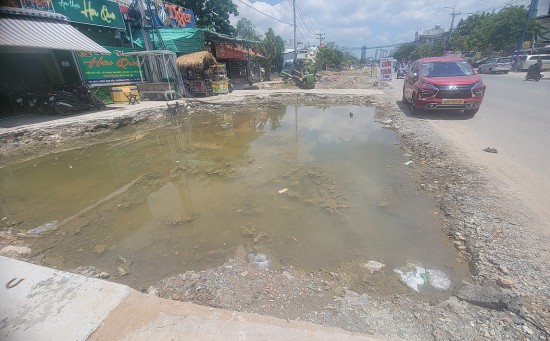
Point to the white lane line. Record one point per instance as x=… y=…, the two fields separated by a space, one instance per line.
x=534 y=92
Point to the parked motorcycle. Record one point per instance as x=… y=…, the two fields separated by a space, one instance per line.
x=533 y=73
x=26 y=101
x=33 y=102
x=71 y=99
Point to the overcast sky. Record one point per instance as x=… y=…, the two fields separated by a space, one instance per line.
x=354 y=23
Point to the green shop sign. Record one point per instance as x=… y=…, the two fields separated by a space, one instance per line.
x=101 y=69
x=96 y=12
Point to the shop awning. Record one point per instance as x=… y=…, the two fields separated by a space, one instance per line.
x=36 y=29
x=179 y=40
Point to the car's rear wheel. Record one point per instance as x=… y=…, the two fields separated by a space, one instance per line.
x=471 y=112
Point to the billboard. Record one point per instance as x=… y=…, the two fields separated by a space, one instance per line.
x=165 y=14
x=97 y=12
x=101 y=69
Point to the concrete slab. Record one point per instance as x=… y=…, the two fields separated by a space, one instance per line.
x=145 y=317
x=52 y=305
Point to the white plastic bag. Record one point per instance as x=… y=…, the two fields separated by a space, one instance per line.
x=412 y=275
x=438 y=279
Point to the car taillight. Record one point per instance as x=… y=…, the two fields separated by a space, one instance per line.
x=478 y=90
x=427 y=90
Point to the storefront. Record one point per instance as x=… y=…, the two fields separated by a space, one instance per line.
x=37 y=53
x=240 y=69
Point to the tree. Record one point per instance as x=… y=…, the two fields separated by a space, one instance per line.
x=329 y=57
x=212 y=14
x=404 y=51
x=273 y=48
x=488 y=32
x=246 y=30
x=350 y=58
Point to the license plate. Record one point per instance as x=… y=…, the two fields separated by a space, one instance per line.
x=51 y=98
x=453 y=101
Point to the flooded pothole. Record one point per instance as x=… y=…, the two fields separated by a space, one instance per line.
x=310 y=187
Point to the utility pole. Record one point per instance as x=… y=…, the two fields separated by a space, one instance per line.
x=453 y=14
x=320 y=36
x=295 y=52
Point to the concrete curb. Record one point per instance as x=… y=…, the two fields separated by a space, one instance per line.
x=54 y=305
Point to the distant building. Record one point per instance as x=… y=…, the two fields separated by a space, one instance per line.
x=430 y=36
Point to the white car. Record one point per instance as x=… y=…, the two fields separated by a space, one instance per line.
x=496 y=65
x=532 y=59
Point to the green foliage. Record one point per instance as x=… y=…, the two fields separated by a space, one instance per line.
x=404 y=51
x=308 y=82
x=330 y=57
x=104 y=94
x=273 y=48
x=246 y=30
x=489 y=32
x=212 y=14
x=350 y=58
x=412 y=52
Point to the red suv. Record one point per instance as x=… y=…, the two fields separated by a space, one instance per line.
x=443 y=83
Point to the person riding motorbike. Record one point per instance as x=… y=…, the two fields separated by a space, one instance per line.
x=402 y=70
x=534 y=71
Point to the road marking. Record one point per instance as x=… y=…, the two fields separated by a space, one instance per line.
x=534 y=92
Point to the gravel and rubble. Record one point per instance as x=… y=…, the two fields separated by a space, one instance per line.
x=507 y=296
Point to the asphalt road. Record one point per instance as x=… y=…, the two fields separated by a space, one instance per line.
x=514 y=119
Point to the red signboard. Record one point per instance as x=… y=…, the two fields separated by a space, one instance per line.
x=226 y=51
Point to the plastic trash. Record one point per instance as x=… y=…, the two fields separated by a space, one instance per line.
x=407 y=163
x=259 y=260
x=50 y=225
x=438 y=279
x=490 y=150
x=283 y=190
x=412 y=275
x=374 y=266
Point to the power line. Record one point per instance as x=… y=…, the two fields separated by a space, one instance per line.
x=308 y=17
x=376 y=47
x=267 y=15
x=303 y=21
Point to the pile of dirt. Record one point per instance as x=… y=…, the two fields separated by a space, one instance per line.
x=349 y=79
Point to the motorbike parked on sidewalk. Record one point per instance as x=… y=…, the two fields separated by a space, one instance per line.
x=35 y=102
x=533 y=73
x=71 y=99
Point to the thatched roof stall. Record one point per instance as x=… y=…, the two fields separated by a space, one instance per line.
x=196 y=60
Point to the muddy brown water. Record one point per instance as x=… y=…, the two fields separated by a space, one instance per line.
x=310 y=187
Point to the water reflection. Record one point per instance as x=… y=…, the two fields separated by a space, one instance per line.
x=310 y=187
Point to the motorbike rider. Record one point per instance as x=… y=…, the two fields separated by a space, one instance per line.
x=538 y=65
x=402 y=69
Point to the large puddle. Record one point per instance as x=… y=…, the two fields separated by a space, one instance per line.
x=309 y=187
